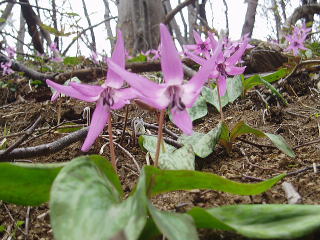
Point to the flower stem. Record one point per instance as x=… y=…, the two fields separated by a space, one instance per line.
x=112 y=152
x=124 y=125
x=220 y=105
x=160 y=136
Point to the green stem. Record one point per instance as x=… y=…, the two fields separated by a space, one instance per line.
x=160 y=136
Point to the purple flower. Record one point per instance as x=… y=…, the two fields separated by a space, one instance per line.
x=6 y=68
x=109 y=96
x=153 y=54
x=201 y=47
x=53 y=47
x=225 y=65
x=173 y=93
x=94 y=57
x=11 y=52
x=296 y=39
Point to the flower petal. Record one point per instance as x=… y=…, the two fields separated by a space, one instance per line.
x=70 y=91
x=123 y=97
x=118 y=56
x=86 y=89
x=99 y=120
x=171 y=64
x=231 y=70
x=182 y=120
x=222 y=85
x=141 y=84
x=238 y=54
x=197 y=37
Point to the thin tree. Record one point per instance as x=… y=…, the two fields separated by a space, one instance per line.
x=250 y=17
x=93 y=46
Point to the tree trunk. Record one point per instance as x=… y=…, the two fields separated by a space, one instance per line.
x=139 y=21
x=250 y=18
x=21 y=34
x=277 y=18
x=192 y=19
x=5 y=14
x=107 y=15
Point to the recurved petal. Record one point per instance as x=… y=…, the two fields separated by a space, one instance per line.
x=231 y=70
x=99 y=120
x=70 y=91
x=170 y=60
x=182 y=120
x=222 y=85
x=86 y=89
x=143 y=85
x=123 y=97
x=197 y=37
x=238 y=54
x=118 y=57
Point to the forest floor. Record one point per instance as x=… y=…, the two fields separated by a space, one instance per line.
x=298 y=123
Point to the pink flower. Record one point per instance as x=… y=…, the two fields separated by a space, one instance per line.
x=173 y=93
x=109 y=96
x=11 y=52
x=6 y=68
x=296 y=39
x=201 y=47
x=225 y=65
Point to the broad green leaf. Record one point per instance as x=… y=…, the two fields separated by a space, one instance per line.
x=199 y=109
x=174 y=226
x=234 y=88
x=281 y=144
x=68 y=128
x=211 y=96
x=72 y=60
x=149 y=143
x=242 y=128
x=160 y=181
x=225 y=137
x=203 y=144
x=85 y=204
x=2 y=20
x=265 y=221
x=170 y=157
x=27 y=184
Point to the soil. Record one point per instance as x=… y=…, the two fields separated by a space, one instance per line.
x=298 y=123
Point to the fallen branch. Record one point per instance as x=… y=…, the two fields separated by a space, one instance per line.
x=45 y=149
x=27 y=133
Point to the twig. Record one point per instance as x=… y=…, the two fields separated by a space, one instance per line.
x=12 y=219
x=26 y=224
x=250 y=163
x=165 y=130
x=124 y=124
x=129 y=155
x=47 y=148
x=171 y=14
x=306 y=144
x=28 y=132
x=259 y=146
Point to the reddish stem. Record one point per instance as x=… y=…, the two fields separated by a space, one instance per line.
x=112 y=152
x=160 y=136
x=220 y=105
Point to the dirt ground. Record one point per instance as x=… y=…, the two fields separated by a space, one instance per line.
x=298 y=123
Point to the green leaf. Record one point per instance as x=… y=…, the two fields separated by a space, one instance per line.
x=139 y=58
x=234 y=90
x=174 y=226
x=85 y=203
x=73 y=14
x=72 y=60
x=54 y=31
x=203 y=144
x=160 y=181
x=266 y=221
x=68 y=128
x=274 y=90
x=281 y=144
x=255 y=80
x=199 y=109
x=2 y=228
x=2 y=20
x=27 y=184
x=170 y=157
x=242 y=128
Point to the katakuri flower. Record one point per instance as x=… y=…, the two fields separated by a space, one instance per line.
x=173 y=93
x=296 y=39
x=109 y=96
x=201 y=47
x=225 y=65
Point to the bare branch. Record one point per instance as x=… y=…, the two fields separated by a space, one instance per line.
x=171 y=14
